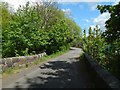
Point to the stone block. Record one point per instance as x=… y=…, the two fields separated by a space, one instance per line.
x=39 y=55
x=3 y=61
x=15 y=65
x=15 y=59
x=35 y=57
x=22 y=60
x=4 y=67
x=9 y=62
x=30 y=59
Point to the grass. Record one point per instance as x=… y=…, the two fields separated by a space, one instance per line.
x=14 y=70
x=48 y=57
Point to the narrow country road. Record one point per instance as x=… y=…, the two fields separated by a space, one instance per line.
x=65 y=71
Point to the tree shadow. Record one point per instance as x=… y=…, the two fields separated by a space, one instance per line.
x=56 y=74
x=60 y=77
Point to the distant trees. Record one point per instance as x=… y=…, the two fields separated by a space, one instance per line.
x=94 y=44
x=76 y=32
x=36 y=28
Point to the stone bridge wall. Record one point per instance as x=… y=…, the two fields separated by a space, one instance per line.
x=101 y=77
x=19 y=61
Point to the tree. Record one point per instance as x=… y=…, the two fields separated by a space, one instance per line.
x=112 y=36
x=112 y=32
x=6 y=17
x=93 y=44
x=37 y=28
x=75 y=31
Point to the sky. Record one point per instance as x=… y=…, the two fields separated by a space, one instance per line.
x=83 y=12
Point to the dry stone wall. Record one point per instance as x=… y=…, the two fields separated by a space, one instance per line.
x=19 y=61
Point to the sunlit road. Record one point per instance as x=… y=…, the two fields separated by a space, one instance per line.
x=65 y=71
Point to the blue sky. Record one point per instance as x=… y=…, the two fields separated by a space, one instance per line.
x=85 y=14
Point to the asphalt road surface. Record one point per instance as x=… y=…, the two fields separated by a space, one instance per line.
x=65 y=71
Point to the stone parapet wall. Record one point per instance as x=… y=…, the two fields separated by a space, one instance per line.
x=102 y=78
x=19 y=61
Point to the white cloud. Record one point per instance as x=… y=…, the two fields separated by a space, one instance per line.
x=87 y=34
x=101 y=19
x=86 y=20
x=74 y=18
x=93 y=7
x=67 y=11
x=84 y=0
x=93 y=26
x=116 y=2
x=15 y=3
x=68 y=3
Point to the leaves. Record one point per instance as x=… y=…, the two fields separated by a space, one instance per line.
x=112 y=24
x=37 y=28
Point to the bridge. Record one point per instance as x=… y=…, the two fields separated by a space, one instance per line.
x=65 y=71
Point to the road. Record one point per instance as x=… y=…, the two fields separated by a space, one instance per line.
x=65 y=71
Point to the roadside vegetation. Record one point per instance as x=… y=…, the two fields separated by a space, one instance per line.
x=36 y=28
x=104 y=46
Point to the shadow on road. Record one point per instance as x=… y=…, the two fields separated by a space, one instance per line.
x=59 y=74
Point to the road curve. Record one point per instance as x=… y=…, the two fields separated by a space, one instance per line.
x=65 y=71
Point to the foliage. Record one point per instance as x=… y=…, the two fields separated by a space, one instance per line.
x=76 y=32
x=0 y=32
x=93 y=44
x=104 y=47
x=112 y=24
x=112 y=36
x=36 y=28
x=105 y=54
